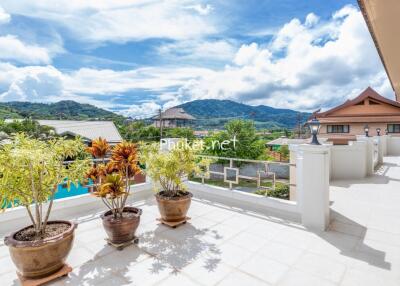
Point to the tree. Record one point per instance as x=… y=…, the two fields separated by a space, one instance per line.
x=240 y=138
x=284 y=151
x=29 y=127
x=180 y=133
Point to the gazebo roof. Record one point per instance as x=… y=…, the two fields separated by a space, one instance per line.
x=175 y=113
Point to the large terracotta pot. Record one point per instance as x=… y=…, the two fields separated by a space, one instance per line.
x=121 y=230
x=173 y=209
x=36 y=259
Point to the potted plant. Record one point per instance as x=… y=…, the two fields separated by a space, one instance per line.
x=30 y=172
x=99 y=149
x=112 y=182
x=167 y=171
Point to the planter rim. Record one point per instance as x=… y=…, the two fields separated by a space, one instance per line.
x=165 y=198
x=12 y=242
x=138 y=212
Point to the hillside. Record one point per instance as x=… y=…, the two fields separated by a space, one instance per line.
x=7 y=112
x=212 y=112
x=66 y=109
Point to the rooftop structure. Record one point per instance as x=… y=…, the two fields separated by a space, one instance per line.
x=173 y=117
x=88 y=130
x=382 y=17
x=349 y=119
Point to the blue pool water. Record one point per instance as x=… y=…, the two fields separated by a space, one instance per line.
x=63 y=192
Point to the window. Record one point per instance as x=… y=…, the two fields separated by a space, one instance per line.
x=338 y=128
x=393 y=128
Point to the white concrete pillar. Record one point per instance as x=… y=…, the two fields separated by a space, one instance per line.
x=380 y=142
x=384 y=140
x=370 y=153
x=312 y=177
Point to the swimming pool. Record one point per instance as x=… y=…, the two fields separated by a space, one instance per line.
x=62 y=191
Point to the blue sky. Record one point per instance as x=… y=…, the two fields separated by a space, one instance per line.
x=135 y=56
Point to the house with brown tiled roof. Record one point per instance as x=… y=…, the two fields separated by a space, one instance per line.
x=173 y=117
x=342 y=123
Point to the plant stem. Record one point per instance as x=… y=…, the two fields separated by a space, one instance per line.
x=49 y=209
x=28 y=208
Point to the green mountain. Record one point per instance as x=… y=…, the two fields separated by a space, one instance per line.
x=66 y=109
x=212 y=113
x=7 y=112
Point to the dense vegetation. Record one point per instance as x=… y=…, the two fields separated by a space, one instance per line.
x=243 y=141
x=66 y=109
x=212 y=113
x=29 y=127
x=138 y=131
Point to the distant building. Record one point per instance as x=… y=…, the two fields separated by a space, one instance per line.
x=173 y=117
x=342 y=123
x=88 y=130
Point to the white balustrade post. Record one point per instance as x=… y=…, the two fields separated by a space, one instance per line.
x=312 y=178
x=384 y=140
x=369 y=154
x=379 y=139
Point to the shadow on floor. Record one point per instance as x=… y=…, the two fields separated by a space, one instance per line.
x=363 y=252
x=165 y=254
x=183 y=247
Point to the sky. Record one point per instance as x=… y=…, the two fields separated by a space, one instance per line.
x=136 y=56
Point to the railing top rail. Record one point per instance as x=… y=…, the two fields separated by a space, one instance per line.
x=245 y=160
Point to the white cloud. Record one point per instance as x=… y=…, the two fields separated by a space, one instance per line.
x=121 y=20
x=311 y=20
x=219 y=50
x=33 y=83
x=106 y=81
x=201 y=9
x=305 y=66
x=143 y=110
x=12 y=48
x=4 y=16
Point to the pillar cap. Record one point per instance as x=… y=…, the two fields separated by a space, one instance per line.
x=315 y=149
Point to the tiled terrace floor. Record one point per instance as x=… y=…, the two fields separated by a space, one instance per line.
x=226 y=246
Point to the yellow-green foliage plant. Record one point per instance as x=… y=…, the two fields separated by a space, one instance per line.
x=32 y=169
x=168 y=169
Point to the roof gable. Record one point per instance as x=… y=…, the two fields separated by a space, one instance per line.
x=175 y=113
x=369 y=102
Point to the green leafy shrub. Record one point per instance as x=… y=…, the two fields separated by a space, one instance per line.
x=31 y=170
x=281 y=191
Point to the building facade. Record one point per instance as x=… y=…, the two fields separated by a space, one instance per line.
x=173 y=117
x=344 y=122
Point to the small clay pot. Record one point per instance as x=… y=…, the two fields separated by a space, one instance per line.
x=41 y=258
x=173 y=209
x=120 y=230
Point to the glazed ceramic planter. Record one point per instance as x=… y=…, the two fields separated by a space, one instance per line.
x=121 y=230
x=173 y=209
x=36 y=259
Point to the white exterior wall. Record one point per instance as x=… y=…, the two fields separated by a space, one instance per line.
x=349 y=161
x=312 y=173
x=393 y=146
